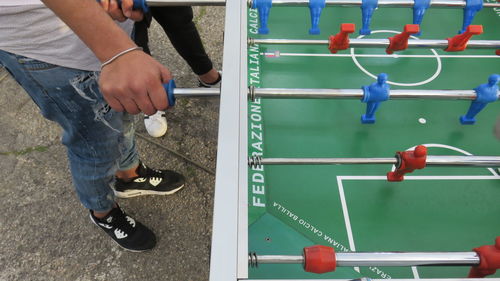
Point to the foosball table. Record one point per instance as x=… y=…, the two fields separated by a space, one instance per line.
x=317 y=98
x=358 y=139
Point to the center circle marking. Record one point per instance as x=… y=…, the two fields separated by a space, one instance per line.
x=436 y=74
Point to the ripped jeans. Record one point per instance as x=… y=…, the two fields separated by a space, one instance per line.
x=99 y=140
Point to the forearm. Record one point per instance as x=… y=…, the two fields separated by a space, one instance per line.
x=93 y=25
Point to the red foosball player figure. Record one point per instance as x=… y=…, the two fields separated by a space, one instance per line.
x=408 y=161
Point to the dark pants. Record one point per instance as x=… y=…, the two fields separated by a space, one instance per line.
x=177 y=22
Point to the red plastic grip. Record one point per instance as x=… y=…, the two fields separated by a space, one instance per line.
x=498 y=51
x=319 y=259
x=459 y=42
x=400 y=42
x=408 y=162
x=340 y=41
x=490 y=260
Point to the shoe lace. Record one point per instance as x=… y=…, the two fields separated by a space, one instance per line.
x=154 y=173
x=123 y=223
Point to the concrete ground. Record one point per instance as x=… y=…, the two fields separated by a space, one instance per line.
x=45 y=234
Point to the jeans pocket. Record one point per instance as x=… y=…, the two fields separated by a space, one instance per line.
x=34 y=65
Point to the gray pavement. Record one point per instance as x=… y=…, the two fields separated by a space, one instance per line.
x=45 y=233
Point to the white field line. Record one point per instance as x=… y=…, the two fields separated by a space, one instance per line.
x=415 y=272
x=352 y=247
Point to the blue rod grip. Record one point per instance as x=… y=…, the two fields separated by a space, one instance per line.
x=138 y=5
x=169 y=88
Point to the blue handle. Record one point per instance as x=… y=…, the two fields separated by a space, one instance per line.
x=169 y=88
x=138 y=5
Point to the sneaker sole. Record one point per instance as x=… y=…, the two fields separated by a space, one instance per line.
x=130 y=250
x=140 y=192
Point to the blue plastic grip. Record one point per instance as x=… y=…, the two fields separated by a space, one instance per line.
x=315 y=8
x=470 y=10
x=263 y=7
x=419 y=9
x=485 y=93
x=367 y=8
x=373 y=95
x=138 y=5
x=169 y=88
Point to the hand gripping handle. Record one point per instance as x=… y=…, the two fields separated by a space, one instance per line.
x=138 y=5
x=169 y=88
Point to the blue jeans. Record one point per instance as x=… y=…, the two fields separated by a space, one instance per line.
x=99 y=140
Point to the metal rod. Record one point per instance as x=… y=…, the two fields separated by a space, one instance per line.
x=386 y=259
x=161 y=3
x=196 y=92
x=283 y=93
x=432 y=160
x=381 y=43
x=277 y=54
x=280 y=259
x=326 y=161
x=475 y=161
x=381 y=3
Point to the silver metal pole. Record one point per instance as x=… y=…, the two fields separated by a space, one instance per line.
x=381 y=43
x=160 y=3
x=385 y=259
x=470 y=161
x=283 y=93
x=196 y=92
x=381 y=3
x=280 y=259
x=475 y=161
x=326 y=161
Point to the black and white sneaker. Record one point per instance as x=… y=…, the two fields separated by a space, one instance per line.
x=215 y=84
x=150 y=182
x=125 y=231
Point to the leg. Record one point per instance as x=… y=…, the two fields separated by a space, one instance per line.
x=140 y=33
x=156 y=125
x=93 y=137
x=177 y=22
x=91 y=129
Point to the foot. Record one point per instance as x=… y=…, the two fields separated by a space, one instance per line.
x=149 y=182
x=205 y=82
x=156 y=124
x=125 y=231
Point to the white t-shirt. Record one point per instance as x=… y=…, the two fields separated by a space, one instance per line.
x=30 y=29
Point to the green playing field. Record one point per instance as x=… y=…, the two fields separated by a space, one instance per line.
x=353 y=207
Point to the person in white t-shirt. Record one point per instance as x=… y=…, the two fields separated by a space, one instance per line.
x=85 y=73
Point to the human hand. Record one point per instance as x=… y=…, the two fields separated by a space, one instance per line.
x=121 y=14
x=134 y=83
